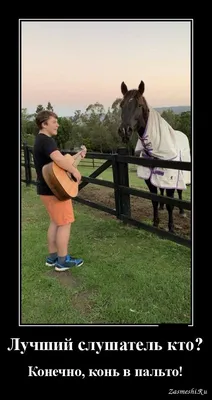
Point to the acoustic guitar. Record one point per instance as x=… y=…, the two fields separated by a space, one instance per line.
x=62 y=183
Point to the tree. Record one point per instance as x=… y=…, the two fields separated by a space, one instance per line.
x=171 y=118
x=111 y=122
x=49 y=107
x=116 y=105
x=184 y=124
x=39 y=108
x=94 y=116
x=64 y=132
x=28 y=127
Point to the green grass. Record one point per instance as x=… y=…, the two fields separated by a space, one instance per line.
x=129 y=276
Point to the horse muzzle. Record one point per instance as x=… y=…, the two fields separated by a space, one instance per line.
x=125 y=133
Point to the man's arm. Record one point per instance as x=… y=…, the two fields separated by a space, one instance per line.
x=81 y=153
x=65 y=163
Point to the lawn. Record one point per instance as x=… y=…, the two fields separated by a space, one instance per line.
x=129 y=276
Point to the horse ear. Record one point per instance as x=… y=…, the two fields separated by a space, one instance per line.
x=124 y=89
x=141 y=87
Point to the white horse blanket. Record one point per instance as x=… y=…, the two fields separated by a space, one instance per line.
x=161 y=141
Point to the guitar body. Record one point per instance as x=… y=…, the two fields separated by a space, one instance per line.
x=60 y=181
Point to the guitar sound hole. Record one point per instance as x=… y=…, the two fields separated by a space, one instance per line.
x=73 y=177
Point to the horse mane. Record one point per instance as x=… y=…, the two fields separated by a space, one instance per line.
x=145 y=109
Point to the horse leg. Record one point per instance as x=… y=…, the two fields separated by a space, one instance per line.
x=180 y=197
x=161 y=203
x=153 y=189
x=170 y=207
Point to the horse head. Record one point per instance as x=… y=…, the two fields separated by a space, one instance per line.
x=134 y=112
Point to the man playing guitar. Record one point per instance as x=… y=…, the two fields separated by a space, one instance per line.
x=60 y=212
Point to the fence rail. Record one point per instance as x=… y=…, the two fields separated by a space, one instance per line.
x=119 y=163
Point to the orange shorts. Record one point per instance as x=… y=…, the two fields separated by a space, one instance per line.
x=60 y=212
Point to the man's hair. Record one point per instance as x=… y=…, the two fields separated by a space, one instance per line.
x=43 y=116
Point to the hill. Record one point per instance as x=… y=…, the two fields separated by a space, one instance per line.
x=175 y=109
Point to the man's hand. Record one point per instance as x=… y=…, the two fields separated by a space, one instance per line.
x=76 y=175
x=83 y=152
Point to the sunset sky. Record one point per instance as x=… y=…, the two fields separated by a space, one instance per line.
x=76 y=63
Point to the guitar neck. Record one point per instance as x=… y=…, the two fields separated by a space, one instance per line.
x=77 y=158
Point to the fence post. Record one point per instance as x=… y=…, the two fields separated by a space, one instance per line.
x=116 y=185
x=26 y=164
x=123 y=180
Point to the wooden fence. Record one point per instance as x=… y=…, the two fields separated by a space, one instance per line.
x=119 y=163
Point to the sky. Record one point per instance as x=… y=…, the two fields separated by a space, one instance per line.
x=74 y=64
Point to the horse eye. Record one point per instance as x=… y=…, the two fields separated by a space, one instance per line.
x=140 y=105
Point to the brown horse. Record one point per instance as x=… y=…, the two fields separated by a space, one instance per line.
x=134 y=116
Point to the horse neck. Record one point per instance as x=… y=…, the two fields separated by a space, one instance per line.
x=141 y=131
x=142 y=128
